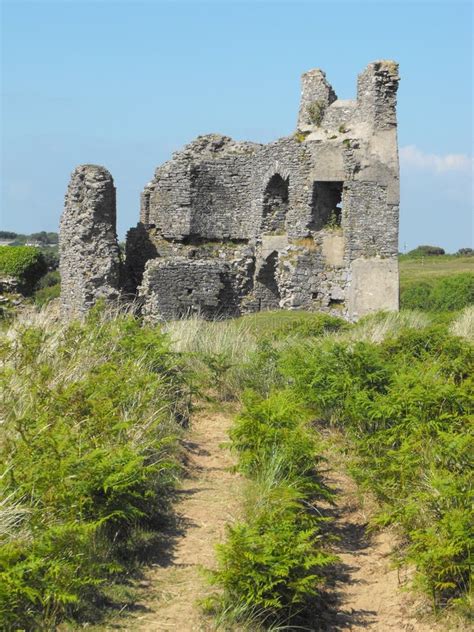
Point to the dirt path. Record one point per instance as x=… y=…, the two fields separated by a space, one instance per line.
x=208 y=499
x=368 y=590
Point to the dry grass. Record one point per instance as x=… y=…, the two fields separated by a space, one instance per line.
x=233 y=338
x=463 y=325
x=306 y=242
x=377 y=327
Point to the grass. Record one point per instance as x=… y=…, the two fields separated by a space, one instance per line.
x=425 y=268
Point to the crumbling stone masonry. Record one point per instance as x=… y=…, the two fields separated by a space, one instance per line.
x=89 y=253
x=309 y=221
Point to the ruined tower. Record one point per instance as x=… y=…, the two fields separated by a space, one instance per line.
x=88 y=247
x=309 y=221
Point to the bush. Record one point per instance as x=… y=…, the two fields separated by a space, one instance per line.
x=49 y=288
x=25 y=263
x=465 y=252
x=405 y=404
x=272 y=563
x=51 y=256
x=453 y=292
x=49 y=280
x=426 y=251
x=304 y=327
x=89 y=458
x=46 y=294
x=416 y=296
x=449 y=293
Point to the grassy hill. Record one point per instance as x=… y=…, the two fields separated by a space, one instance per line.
x=414 y=269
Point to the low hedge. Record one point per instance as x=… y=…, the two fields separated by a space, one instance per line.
x=25 y=263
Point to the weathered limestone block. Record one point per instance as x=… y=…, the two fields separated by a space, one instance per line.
x=377 y=94
x=88 y=246
x=373 y=286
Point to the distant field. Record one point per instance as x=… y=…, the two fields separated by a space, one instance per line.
x=426 y=268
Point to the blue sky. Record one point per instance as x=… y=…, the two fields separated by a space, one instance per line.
x=124 y=84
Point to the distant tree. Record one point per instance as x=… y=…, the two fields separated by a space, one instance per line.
x=20 y=240
x=53 y=238
x=40 y=238
x=6 y=234
x=426 y=251
x=465 y=252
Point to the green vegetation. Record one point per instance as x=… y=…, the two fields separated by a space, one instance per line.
x=44 y=238
x=436 y=283
x=25 y=263
x=300 y=136
x=48 y=288
x=424 y=269
x=405 y=405
x=315 y=112
x=272 y=564
x=399 y=387
x=426 y=251
x=443 y=294
x=89 y=455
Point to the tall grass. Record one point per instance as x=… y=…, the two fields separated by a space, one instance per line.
x=463 y=324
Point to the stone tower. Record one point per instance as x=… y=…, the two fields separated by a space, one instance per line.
x=88 y=246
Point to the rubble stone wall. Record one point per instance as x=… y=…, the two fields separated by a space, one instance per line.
x=88 y=246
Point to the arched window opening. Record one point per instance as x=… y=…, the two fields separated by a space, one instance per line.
x=326 y=205
x=275 y=205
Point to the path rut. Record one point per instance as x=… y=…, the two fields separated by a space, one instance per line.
x=366 y=594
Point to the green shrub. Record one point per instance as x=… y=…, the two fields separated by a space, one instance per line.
x=416 y=296
x=273 y=563
x=453 y=292
x=89 y=458
x=426 y=251
x=304 y=327
x=276 y=424
x=449 y=293
x=49 y=279
x=465 y=252
x=44 y=295
x=406 y=406
x=323 y=375
x=315 y=111
x=25 y=263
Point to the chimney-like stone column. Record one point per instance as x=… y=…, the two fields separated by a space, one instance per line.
x=88 y=246
x=377 y=89
x=316 y=95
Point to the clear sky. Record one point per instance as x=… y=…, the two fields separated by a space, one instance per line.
x=124 y=84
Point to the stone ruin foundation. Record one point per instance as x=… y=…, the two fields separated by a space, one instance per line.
x=309 y=221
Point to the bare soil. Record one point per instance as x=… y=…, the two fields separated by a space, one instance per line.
x=208 y=499
x=369 y=592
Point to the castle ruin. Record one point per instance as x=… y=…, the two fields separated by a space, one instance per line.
x=309 y=221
